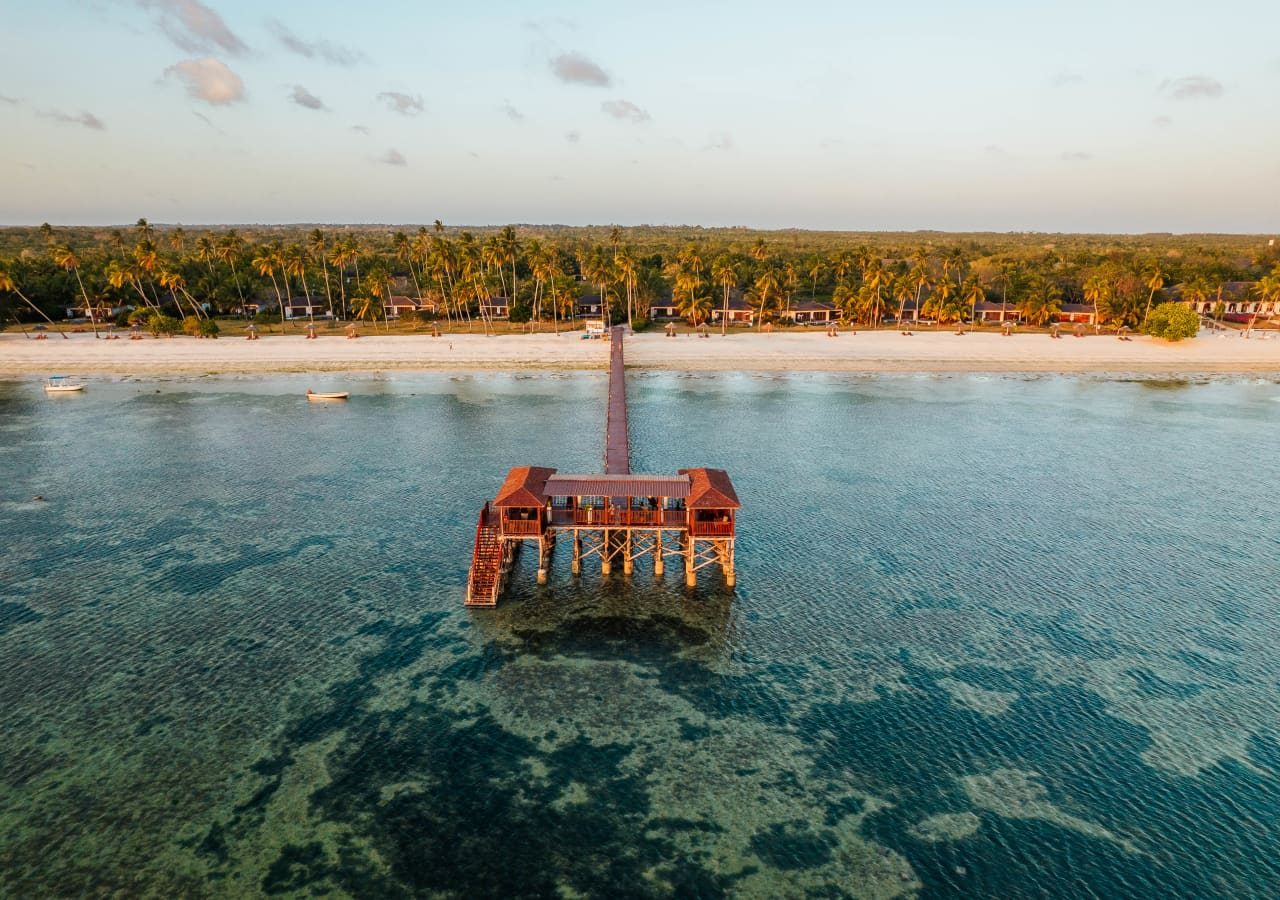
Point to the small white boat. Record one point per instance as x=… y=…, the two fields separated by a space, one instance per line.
x=327 y=395
x=61 y=384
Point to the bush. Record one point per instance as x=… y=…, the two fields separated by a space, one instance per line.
x=209 y=328
x=266 y=317
x=520 y=314
x=191 y=326
x=139 y=316
x=1172 y=321
x=160 y=324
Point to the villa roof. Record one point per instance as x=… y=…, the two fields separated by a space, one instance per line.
x=811 y=305
x=676 y=486
x=525 y=486
x=711 y=489
x=1076 y=307
x=400 y=300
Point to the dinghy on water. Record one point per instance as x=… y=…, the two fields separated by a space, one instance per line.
x=327 y=395
x=62 y=384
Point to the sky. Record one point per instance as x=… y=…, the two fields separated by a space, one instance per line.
x=993 y=115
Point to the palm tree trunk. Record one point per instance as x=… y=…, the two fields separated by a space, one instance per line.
x=240 y=293
x=24 y=299
x=328 y=294
x=93 y=319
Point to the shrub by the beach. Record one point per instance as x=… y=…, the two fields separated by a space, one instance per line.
x=161 y=324
x=265 y=318
x=209 y=328
x=520 y=314
x=191 y=326
x=140 y=316
x=1172 y=321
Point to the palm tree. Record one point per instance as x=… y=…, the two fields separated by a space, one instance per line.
x=1268 y=291
x=121 y=273
x=46 y=232
x=1097 y=290
x=1042 y=301
x=1155 y=281
x=940 y=305
x=875 y=277
x=814 y=269
x=67 y=259
x=265 y=264
x=509 y=247
x=178 y=239
x=551 y=270
x=317 y=244
x=767 y=289
x=627 y=268
x=144 y=229
x=615 y=240
x=760 y=250
x=974 y=293
x=1196 y=293
x=8 y=285
x=405 y=253
x=919 y=279
x=229 y=247
x=379 y=286
x=842 y=263
x=295 y=264
x=175 y=283
x=725 y=274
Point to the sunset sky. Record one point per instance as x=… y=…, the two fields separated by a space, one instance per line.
x=985 y=115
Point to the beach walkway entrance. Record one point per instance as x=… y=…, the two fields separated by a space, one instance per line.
x=617 y=517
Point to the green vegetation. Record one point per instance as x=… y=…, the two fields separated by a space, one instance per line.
x=355 y=273
x=1172 y=321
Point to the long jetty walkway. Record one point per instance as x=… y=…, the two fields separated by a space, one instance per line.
x=616 y=517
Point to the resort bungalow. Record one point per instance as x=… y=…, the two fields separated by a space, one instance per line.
x=398 y=305
x=664 y=309
x=806 y=312
x=986 y=311
x=305 y=308
x=1077 y=313
x=740 y=312
x=97 y=312
x=589 y=305
x=496 y=308
x=1239 y=302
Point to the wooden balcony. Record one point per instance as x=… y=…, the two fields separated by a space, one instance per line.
x=712 y=529
x=521 y=527
x=619 y=518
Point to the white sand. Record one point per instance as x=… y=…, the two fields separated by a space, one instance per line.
x=884 y=351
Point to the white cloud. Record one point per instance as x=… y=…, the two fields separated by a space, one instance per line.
x=194 y=27
x=393 y=157
x=209 y=80
x=304 y=97
x=1162 y=121
x=575 y=68
x=12 y=101
x=86 y=119
x=405 y=104
x=1193 y=87
x=624 y=109
x=512 y=113
x=360 y=129
x=721 y=141
x=1076 y=156
x=573 y=136
x=326 y=51
x=1065 y=79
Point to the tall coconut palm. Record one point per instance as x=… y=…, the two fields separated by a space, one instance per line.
x=230 y=246
x=121 y=273
x=295 y=264
x=550 y=271
x=760 y=250
x=46 y=232
x=875 y=277
x=814 y=269
x=8 y=285
x=378 y=284
x=178 y=239
x=767 y=292
x=1097 y=291
x=144 y=229
x=172 y=280
x=974 y=293
x=725 y=274
x=1155 y=281
x=405 y=252
x=615 y=241
x=67 y=259
x=317 y=245
x=921 y=281
x=206 y=251
x=628 y=268
x=265 y=265
x=1268 y=291
x=1041 y=302
x=509 y=248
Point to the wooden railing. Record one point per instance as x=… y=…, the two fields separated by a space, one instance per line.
x=667 y=518
x=532 y=527
x=712 y=529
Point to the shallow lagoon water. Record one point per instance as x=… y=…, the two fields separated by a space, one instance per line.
x=991 y=636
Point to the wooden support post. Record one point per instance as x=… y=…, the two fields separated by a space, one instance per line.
x=628 y=565
x=690 y=573
x=606 y=564
x=544 y=558
x=577 y=552
x=658 y=566
x=726 y=565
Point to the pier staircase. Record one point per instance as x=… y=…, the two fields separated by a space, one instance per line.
x=487 y=562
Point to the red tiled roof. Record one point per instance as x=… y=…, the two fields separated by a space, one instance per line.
x=524 y=487
x=675 y=486
x=711 y=489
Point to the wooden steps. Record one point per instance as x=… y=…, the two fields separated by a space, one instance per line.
x=485 y=581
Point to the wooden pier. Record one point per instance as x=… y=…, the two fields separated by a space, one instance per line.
x=616 y=518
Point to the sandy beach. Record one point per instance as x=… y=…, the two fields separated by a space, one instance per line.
x=884 y=351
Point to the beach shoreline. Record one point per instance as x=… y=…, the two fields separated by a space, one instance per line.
x=862 y=353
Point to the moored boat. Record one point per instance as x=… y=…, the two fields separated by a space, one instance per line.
x=327 y=395
x=62 y=384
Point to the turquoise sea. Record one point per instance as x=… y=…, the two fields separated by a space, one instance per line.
x=992 y=636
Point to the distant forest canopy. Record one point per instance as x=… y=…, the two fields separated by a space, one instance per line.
x=354 y=270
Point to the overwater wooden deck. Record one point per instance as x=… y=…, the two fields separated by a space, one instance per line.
x=615 y=517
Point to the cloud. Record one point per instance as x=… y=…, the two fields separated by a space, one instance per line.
x=87 y=119
x=995 y=151
x=209 y=80
x=1193 y=87
x=512 y=113
x=304 y=97
x=624 y=109
x=360 y=129
x=323 y=50
x=393 y=157
x=206 y=120
x=548 y=22
x=12 y=101
x=573 y=136
x=1076 y=156
x=405 y=104
x=194 y=27
x=1065 y=79
x=721 y=141
x=1162 y=121
x=574 y=68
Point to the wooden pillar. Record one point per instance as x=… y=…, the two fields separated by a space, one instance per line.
x=726 y=565
x=690 y=575
x=658 y=566
x=544 y=558
x=577 y=552
x=606 y=564
x=628 y=565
